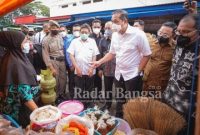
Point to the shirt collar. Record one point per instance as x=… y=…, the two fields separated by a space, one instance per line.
x=129 y=29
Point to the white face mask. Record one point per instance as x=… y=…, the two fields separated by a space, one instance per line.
x=96 y=30
x=116 y=27
x=76 y=33
x=63 y=34
x=26 y=48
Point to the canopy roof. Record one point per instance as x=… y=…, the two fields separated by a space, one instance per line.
x=7 y=6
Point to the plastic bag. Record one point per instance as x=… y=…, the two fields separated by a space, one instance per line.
x=79 y=119
x=4 y=123
x=31 y=132
x=39 y=116
x=11 y=131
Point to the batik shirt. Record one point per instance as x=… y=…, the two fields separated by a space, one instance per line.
x=183 y=78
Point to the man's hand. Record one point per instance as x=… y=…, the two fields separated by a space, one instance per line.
x=90 y=72
x=54 y=72
x=100 y=73
x=79 y=72
x=72 y=68
x=95 y=64
x=191 y=8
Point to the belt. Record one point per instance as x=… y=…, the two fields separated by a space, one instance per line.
x=61 y=58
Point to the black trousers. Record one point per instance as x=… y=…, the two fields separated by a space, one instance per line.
x=83 y=87
x=108 y=83
x=71 y=85
x=97 y=82
x=126 y=90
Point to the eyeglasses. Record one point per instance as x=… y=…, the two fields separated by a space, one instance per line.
x=159 y=33
x=184 y=33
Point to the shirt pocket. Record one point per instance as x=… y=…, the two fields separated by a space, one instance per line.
x=167 y=55
x=53 y=46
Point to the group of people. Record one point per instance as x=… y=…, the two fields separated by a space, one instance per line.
x=126 y=56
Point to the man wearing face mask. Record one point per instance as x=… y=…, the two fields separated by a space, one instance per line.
x=109 y=67
x=24 y=29
x=31 y=34
x=83 y=51
x=157 y=70
x=183 y=77
x=53 y=56
x=38 y=61
x=67 y=38
x=131 y=49
x=76 y=34
x=96 y=35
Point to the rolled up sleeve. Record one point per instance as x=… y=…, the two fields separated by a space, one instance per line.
x=71 y=49
x=112 y=46
x=143 y=45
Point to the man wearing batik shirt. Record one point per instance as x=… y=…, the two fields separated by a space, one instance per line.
x=182 y=84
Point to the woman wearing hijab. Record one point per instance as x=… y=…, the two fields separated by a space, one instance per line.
x=18 y=84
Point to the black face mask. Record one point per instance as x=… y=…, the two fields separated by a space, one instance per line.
x=162 y=40
x=31 y=34
x=54 y=32
x=183 y=41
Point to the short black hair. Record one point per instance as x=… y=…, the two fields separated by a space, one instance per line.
x=76 y=25
x=141 y=22
x=87 y=26
x=123 y=14
x=193 y=17
x=170 y=24
x=96 y=21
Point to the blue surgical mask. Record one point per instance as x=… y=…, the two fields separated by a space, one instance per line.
x=108 y=33
x=84 y=37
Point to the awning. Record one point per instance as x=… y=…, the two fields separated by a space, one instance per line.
x=148 y=11
x=7 y=6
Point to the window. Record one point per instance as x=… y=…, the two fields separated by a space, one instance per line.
x=64 y=6
x=74 y=4
x=97 y=1
x=86 y=2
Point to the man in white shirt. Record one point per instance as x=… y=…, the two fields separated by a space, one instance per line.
x=40 y=35
x=132 y=51
x=83 y=51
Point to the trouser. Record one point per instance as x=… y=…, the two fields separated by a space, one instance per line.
x=108 y=83
x=97 y=83
x=61 y=77
x=71 y=83
x=126 y=90
x=83 y=87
